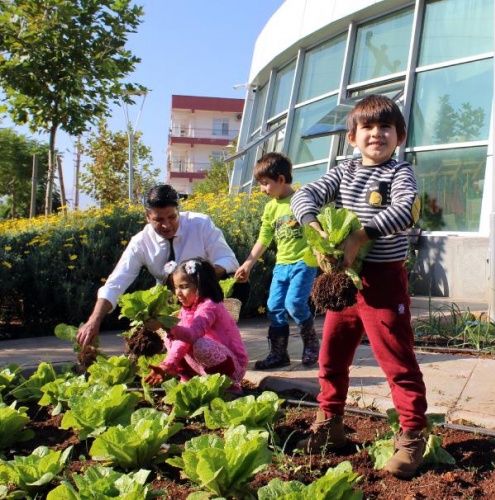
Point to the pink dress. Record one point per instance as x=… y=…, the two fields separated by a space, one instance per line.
x=206 y=336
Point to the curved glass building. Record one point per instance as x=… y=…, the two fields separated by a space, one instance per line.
x=316 y=58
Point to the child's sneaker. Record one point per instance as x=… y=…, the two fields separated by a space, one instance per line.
x=327 y=433
x=409 y=450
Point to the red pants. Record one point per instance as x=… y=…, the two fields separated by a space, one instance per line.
x=382 y=311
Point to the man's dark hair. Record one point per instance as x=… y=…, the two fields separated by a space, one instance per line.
x=271 y=165
x=161 y=196
x=376 y=108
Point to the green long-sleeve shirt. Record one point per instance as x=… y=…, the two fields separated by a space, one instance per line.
x=279 y=223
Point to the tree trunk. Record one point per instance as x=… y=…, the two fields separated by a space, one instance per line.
x=52 y=158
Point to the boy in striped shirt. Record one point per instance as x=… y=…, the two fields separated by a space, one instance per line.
x=383 y=194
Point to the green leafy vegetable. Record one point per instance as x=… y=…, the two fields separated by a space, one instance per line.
x=86 y=355
x=156 y=303
x=189 y=399
x=35 y=472
x=382 y=450
x=254 y=413
x=12 y=425
x=338 y=482
x=112 y=371
x=223 y=466
x=30 y=389
x=227 y=286
x=138 y=444
x=99 y=407
x=9 y=376
x=337 y=287
x=59 y=392
x=104 y=482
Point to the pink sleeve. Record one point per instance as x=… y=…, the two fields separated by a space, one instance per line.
x=176 y=350
x=204 y=318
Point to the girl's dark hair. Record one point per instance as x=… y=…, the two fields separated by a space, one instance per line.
x=271 y=165
x=201 y=273
x=376 y=108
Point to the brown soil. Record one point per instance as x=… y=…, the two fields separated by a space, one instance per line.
x=472 y=477
x=143 y=342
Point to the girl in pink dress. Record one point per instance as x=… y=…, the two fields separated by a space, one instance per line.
x=206 y=339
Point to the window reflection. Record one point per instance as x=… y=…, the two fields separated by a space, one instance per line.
x=322 y=69
x=302 y=150
x=304 y=175
x=456 y=28
x=452 y=104
x=282 y=90
x=451 y=186
x=382 y=47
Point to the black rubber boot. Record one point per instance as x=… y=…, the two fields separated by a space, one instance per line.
x=278 y=357
x=311 y=344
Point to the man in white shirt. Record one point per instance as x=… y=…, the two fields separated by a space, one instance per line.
x=169 y=235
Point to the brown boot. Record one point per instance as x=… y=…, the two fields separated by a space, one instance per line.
x=327 y=433
x=409 y=450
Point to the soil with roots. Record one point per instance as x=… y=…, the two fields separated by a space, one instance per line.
x=473 y=475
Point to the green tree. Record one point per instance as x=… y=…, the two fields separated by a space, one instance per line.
x=217 y=177
x=106 y=176
x=62 y=63
x=16 y=168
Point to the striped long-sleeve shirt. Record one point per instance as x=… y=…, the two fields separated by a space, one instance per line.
x=384 y=197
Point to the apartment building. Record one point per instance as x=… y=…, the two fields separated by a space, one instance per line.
x=200 y=128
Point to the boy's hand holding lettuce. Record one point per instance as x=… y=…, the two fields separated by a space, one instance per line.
x=336 y=288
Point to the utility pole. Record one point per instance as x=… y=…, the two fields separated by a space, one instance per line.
x=131 y=134
x=77 y=168
x=34 y=185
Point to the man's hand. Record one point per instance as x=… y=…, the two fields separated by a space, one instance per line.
x=90 y=330
x=88 y=333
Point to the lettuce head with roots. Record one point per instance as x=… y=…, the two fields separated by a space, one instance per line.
x=336 y=288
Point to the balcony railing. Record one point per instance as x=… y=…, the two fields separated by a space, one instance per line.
x=203 y=133
x=187 y=166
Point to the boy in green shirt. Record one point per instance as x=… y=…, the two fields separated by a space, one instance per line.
x=292 y=278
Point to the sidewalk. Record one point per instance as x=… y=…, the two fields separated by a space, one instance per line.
x=458 y=386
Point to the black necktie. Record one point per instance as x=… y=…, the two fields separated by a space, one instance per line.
x=172 y=252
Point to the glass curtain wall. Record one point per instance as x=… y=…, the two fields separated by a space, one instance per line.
x=451 y=110
x=450 y=91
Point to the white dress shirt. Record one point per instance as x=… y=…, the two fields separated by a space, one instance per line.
x=196 y=236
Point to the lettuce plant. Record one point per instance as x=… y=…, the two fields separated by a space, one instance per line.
x=61 y=390
x=8 y=376
x=382 y=449
x=254 y=413
x=338 y=482
x=336 y=288
x=12 y=423
x=104 y=482
x=155 y=303
x=99 y=407
x=223 y=466
x=30 y=389
x=138 y=444
x=189 y=399
x=33 y=473
x=112 y=371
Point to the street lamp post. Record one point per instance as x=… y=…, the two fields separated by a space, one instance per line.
x=131 y=130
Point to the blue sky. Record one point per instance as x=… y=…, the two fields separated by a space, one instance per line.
x=188 y=47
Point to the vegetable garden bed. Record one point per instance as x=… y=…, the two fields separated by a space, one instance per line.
x=179 y=420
